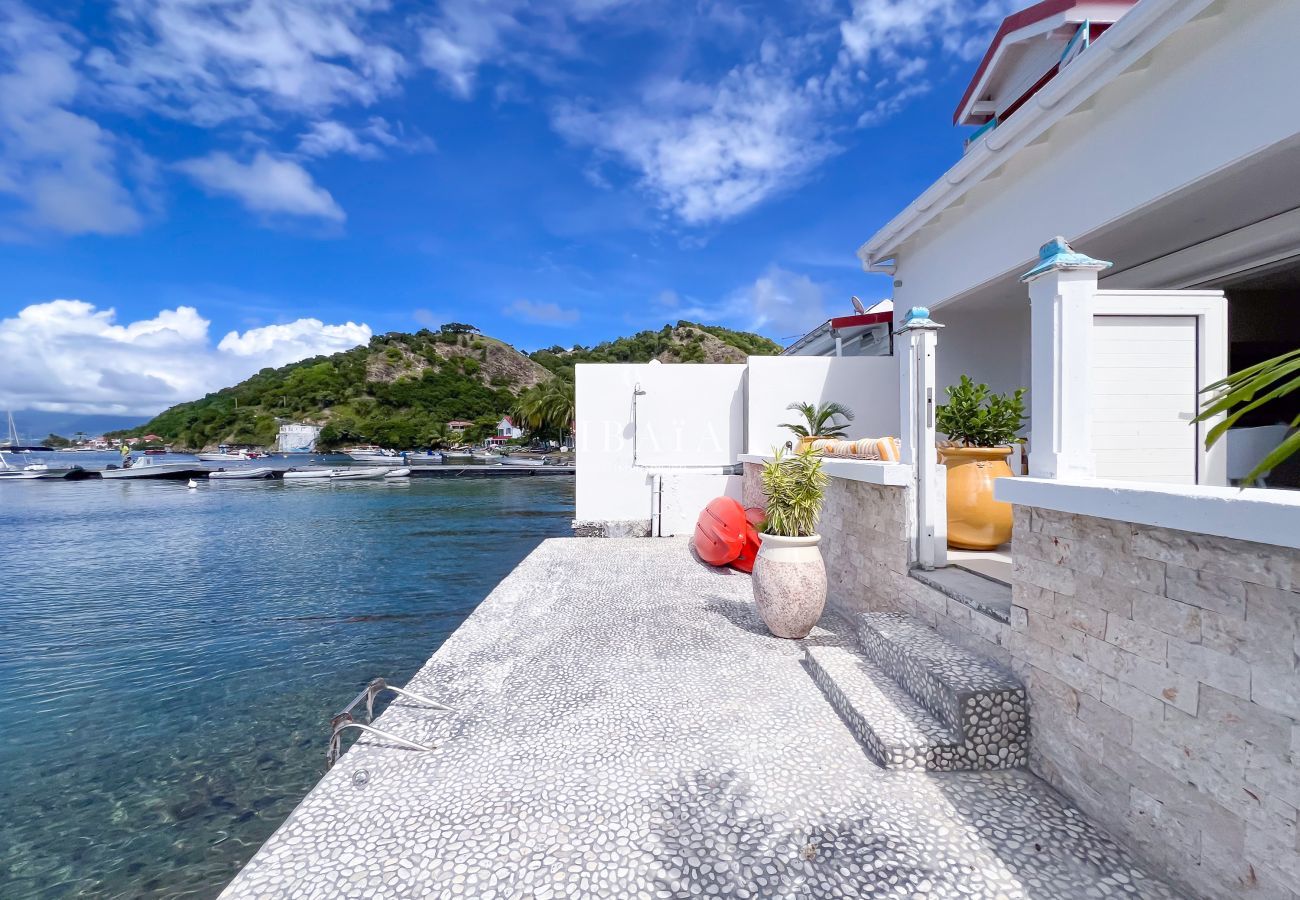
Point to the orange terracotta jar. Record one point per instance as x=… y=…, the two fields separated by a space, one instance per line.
x=975 y=520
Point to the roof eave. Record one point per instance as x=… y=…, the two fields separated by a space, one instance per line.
x=1046 y=107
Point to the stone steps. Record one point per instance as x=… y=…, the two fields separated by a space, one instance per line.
x=897 y=732
x=983 y=702
x=916 y=700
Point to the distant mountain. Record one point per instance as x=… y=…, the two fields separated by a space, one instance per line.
x=401 y=389
x=33 y=425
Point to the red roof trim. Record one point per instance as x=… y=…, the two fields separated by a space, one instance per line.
x=1014 y=22
x=866 y=319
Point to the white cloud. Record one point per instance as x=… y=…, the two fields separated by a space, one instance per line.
x=265 y=185
x=210 y=62
x=541 y=313
x=330 y=137
x=65 y=171
x=884 y=29
x=369 y=141
x=465 y=35
x=69 y=356
x=712 y=152
x=779 y=303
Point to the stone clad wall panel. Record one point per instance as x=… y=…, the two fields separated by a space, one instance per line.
x=865 y=531
x=1164 y=692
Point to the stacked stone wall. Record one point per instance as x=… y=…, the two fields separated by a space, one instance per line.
x=866 y=542
x=1164 y=692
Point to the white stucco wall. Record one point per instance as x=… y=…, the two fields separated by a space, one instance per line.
x=868 y=385
x=690 y=421
x=1183 y=113
x=990 y=345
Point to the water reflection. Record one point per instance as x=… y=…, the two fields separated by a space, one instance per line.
x=173 y=655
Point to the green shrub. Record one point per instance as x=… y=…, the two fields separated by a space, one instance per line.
x=795 y=486
x=976 y=417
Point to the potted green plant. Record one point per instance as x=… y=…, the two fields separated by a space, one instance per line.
x=981 y=427
x=789 y=573
x=820 y=422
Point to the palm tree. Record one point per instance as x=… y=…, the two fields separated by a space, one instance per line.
x=819 y=421
x=559 y=404
x=547 y=405
x=528 y=409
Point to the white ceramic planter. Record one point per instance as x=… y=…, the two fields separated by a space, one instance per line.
x=790 y=584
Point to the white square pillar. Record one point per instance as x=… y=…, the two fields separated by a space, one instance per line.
x=919 y=338
x=1061 y=289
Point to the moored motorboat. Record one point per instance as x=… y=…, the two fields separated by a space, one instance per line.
x=457 y=454
x=310 y=474
x=402 y=472
x=361 y=473
x=224 y=455
x=249 y=473
x=15 y=473
x=523 y=460
x=374 y=455
x=150 y=467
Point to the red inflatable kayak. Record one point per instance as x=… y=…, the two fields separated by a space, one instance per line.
x=724 y=536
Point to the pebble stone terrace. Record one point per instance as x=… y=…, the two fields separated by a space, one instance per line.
x=625 y=727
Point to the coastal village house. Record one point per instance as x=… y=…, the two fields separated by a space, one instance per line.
x=506 y=431
x=1122 y=229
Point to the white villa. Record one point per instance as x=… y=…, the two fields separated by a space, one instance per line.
x=1122 y=230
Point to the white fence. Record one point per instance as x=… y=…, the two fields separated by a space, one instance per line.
x=868 y=385
x=657 y=442
x=644 y=428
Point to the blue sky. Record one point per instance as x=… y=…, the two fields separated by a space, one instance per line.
x=190 y=189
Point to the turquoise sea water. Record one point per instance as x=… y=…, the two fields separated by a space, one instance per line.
x=170 y=658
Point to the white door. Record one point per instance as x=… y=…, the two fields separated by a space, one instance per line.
x=1144 y=382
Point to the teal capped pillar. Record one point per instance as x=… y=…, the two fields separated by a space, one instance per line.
x=1062 y=285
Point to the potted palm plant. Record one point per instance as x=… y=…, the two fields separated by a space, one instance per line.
x=789 y=574
x=820 y=422
x=981 y=427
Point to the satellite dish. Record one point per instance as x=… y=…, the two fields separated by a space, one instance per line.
x=857 y=306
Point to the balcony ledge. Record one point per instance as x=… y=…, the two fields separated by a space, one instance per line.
x=1261 y=515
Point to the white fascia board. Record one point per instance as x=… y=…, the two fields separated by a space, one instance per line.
x=1260 y=515
x=1123 y=44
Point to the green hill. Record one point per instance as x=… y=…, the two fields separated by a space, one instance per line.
x=686 y=342
x=400 y=389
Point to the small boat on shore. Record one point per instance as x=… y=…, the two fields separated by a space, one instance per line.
x=243 y=474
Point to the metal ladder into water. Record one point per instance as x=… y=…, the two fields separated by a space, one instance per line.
x=345 y=720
